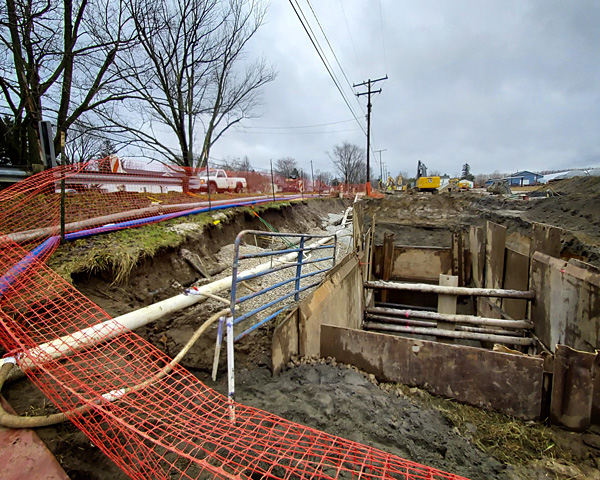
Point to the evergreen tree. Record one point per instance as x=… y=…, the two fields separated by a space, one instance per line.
x=466 y=173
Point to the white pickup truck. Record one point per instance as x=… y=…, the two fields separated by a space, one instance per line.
x=217 y=181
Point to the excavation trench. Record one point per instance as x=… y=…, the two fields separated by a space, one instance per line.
x=319 y=393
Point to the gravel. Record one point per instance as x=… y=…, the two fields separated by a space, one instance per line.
x=226 y=255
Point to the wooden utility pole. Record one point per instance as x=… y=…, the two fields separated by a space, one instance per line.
x=380 y=162
x=368 y=83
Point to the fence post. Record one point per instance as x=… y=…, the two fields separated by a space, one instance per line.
x=299 y=269
x=272 y=180
x=63 y=196
x=208 y=184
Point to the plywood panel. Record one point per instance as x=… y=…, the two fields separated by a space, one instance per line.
x=509 y=383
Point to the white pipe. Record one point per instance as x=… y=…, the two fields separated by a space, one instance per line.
x=70 y=344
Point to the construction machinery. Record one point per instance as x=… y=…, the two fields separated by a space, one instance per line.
x=425 y=183
x=499 y=187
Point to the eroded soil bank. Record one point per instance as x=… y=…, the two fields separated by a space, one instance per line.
x=322 y=394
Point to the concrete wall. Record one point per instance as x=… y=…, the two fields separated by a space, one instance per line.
x=337 y=301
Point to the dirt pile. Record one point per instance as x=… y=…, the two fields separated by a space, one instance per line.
x=572 y=204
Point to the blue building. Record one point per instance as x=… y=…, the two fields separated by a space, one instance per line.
x=523 y=178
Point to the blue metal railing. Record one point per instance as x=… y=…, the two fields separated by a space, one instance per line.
x=301 y=260
x=293 y=259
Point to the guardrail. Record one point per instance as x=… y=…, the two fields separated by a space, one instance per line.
x=298 y=247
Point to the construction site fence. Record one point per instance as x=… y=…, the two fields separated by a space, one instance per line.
x=77 y=197
x=150 y=423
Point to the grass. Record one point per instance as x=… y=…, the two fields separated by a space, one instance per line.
x=508 y=439
x=119 y=252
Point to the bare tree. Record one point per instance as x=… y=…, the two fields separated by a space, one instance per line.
x=58 y=58
x=187 y=74
x=234 y=95
x=348 y=160
x=286 y=167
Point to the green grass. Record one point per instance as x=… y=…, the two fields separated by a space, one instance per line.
x=119 y=252
x=510 y=440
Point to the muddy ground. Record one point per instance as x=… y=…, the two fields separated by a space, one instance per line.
x=336 y=398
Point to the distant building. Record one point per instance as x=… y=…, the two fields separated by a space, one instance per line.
x=521 y=179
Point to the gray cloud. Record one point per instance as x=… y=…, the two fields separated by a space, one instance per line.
x=502 y=85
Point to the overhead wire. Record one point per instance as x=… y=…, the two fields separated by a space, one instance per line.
x=350 y=35
x=303 y=126
x=332 y=50
x=314 y=42
x=382 y=36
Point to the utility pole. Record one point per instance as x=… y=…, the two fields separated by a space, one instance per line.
x=368 y=83
x=380 y=164
x=312 y=176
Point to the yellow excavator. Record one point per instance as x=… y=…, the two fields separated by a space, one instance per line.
x=425 y=183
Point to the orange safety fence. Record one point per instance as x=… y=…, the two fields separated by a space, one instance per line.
x=175 y=427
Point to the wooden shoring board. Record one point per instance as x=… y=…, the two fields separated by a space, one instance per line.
x=505 y=382
x=447 y=304
x=567 y=304
x=546 y=239
x=573 y=388
x=387 y=260
x=477 y=248
x=285 y=341
x=357 y=226
x=458 y=258
x=516 y=277
x=494 y=256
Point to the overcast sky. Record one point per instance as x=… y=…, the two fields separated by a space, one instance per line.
x=505 y=86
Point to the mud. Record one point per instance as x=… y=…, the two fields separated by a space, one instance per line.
x=331 y=397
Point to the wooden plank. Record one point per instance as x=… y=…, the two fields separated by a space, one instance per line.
x=494 y=256
x=477 y=248
x=508 y=383
x=573 y=388
x=567 y=304
x=388 y=260
x=447 y=304
x=285 y=342
x=458 y=258
x=357 y=226
x=372 y=252
x=546 y=239
x=516 y=277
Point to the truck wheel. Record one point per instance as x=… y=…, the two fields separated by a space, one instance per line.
x=239 y=188
x=212 y=187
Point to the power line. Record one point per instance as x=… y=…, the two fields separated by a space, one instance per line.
x=382 y=37
x=350 y=35
x=299 y=133
x=302 y=126
x=325 y=63
x=329 y=43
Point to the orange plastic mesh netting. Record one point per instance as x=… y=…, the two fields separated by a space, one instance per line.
x=175 y=427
